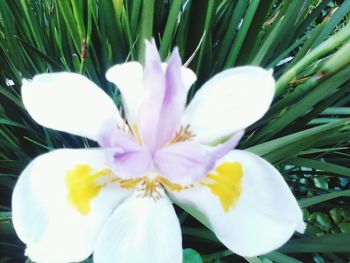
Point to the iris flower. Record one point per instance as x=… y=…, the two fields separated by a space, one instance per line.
x=116 y=201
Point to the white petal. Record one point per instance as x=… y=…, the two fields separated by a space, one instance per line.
x=68 y=102
x=230 y=101
x=128 y=77
x=44 y=218
x=188 y=77
x=264 y=216
x=142 y=229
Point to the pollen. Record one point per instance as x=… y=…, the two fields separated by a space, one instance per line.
x=226 y=183
x=83 y=186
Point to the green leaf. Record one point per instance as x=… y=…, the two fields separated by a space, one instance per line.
x=321 y=165
x=304 y=104
x=323 y=244
x=306 y=202
x=323 y=220
x=321 y=182
x=146 y=25
x=287 y=146
x=344 y=227
x=165 y=46
x=238 y=43
x=336 y=215
x=34 y=50
x=342 y=11
x=191 y=256
x=281 y=258
x=329 y=45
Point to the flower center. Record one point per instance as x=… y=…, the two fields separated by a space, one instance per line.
x=154 y=187
x=128 y=156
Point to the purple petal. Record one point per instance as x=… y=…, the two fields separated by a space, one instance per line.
x=154 y=82
x=221 y=150
x=184 y=163
x=174 y=100
x=112 y=136
x=128 y=164
x=124 y=155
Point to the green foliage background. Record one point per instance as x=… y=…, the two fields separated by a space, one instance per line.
x=305 y=134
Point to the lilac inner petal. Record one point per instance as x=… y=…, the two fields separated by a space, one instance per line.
x=125 y=156
x=174 y=100
x=154 y=83
x=165 y=98
x=221 y=150
x=130 y=164
x=184 y=162
x=111 y=136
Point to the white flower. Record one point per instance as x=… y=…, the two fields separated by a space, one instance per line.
x=116 y=201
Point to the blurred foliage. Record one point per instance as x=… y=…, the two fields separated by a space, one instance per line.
x=305 y=134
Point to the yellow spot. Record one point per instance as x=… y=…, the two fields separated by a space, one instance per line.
x=226 y=183
x=83 y=186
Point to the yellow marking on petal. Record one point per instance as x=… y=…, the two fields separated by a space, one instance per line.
x=171 y=186
x=83 y=186
x=130 y=183
x=226 y=183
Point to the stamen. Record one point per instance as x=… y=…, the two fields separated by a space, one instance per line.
x=184 y=134
x=150 y=188
x=136 y=133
